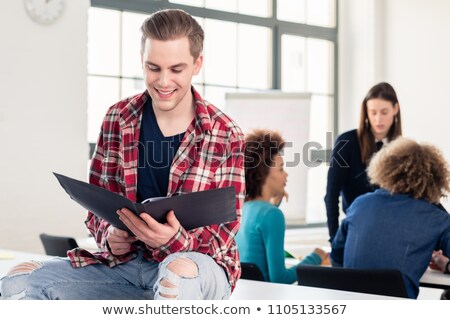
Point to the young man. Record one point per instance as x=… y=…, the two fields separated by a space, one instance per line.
x=165 y=141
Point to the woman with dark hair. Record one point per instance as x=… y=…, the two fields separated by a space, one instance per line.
x=380 y=122
x=400 y=225
x=260 y=238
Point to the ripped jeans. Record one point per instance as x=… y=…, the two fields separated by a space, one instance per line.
x=137 y=279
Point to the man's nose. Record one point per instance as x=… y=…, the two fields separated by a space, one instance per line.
x=164 y=78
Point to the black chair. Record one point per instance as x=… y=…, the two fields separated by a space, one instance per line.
x=56 y=245
x=372 y=281
x=250 y=271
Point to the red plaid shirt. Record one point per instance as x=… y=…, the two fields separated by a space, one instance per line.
x=210 y=156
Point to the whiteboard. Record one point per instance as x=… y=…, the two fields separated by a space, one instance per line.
x=289 y=114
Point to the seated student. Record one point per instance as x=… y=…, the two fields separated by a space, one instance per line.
x=399 y=225
x=441 y=263
x=260 y=239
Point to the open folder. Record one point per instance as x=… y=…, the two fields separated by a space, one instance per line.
x=193 y=210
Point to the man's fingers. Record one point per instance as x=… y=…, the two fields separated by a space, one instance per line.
x=172 y=219
x=149 y=220
x=118 y=232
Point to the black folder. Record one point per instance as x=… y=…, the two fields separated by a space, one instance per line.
x=193 y=210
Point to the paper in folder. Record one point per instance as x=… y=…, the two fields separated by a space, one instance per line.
x=193 y=210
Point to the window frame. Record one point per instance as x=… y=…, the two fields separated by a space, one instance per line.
x=278 y=27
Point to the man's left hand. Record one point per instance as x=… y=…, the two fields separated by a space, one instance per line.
x=147 y=229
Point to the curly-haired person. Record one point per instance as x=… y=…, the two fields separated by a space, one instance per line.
x=399 y=225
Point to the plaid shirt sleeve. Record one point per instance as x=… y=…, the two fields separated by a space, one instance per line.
x=217 y=240
x=104 y=168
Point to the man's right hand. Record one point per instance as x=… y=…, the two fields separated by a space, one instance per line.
x=119 y=241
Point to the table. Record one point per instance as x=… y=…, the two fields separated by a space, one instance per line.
x=435 y=279
x=258 y=290
x=248 y=289
x=431 y=278
x=10 y=258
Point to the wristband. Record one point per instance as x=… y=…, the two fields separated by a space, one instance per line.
x=447 y=271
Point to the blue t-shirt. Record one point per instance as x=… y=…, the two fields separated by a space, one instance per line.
x=156 y=154
x=260 y=240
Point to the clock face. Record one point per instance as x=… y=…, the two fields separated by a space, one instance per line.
x=44 y=11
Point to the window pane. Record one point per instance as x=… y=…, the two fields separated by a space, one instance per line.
x=194 y=3
x=321 y=13
x=103 y=41
x=200 y=78
x=319 y=63
x=320 y=118
x=130 y=87
x=292 y=63
x=200 y=89
x=291 y=10
x=227 y=5
x=220 y=61
x=316 y=186
x=261 y=8
x=131 y=44
x=320 y=123
x=216 y=95
x=254 y=57
x=103 y=92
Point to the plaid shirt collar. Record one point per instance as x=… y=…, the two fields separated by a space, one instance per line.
x=130 y=114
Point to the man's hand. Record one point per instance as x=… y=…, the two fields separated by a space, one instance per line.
x=119 y=241
x=148 y=230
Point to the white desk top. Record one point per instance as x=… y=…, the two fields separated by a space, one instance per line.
x=431 y=278
x=435 y=279
x=87 y=243
x=247 y=289
x=258 y=290
x=10 y=258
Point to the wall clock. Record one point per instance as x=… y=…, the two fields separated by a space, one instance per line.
x=44 y=11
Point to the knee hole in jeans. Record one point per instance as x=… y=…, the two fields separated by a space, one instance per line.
x=25 y=268
x=182 y=267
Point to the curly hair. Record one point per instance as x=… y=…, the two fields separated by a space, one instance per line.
x=407 y=167
x=261 y=147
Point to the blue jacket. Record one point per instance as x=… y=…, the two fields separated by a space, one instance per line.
x=392 y=231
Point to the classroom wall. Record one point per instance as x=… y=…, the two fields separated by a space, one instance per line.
x=360 y=62
x=42 y=123
x=416 y=55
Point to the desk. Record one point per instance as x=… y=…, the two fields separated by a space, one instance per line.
x=16 y=258
x=88 y=243
x=430 y=279
x=435 y=279
x=258 y=290
x=248 y=289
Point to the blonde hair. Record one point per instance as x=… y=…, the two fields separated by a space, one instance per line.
x=407 y=167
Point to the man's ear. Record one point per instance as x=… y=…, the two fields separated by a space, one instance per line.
x=198 y=64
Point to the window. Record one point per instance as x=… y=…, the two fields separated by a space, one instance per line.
x=250 y=45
